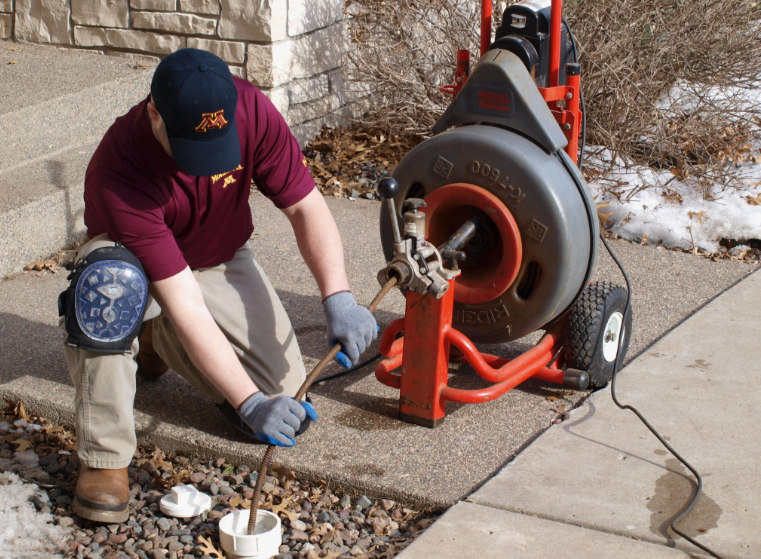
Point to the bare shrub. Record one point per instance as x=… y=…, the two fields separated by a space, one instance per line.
x=665 y=80
x=651 y=71
x=403 y=51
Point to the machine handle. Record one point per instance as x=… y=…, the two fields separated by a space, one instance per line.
x=388 y=188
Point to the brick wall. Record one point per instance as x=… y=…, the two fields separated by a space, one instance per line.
x=291 y=49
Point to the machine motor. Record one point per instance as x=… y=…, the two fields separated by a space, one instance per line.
x=525 y=31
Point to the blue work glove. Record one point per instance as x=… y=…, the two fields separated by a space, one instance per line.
x=350 y=325
x=275 y=420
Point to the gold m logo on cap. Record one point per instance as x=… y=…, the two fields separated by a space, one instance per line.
x=212 y=120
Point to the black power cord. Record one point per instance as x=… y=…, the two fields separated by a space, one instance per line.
x=616 y=363
x=668 y=447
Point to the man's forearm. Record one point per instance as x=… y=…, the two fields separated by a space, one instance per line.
x=319 y=242
x=349 y=324
x=181 y=300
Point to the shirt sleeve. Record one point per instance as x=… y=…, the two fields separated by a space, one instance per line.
x=135 y=217
x=280 y=169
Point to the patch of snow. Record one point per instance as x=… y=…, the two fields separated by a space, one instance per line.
x=650 y=206
x=738 y=100
x=647 y=205
x=24 y=531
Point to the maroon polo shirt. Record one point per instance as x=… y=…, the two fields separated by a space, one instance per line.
x=136 y=193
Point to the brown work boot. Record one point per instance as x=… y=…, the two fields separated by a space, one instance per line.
x=149 y=364
x=102 y=495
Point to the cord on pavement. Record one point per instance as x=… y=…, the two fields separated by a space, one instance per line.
x=663 y=441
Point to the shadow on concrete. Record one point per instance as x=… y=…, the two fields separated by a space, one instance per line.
x=461 y=376
x=33 y=350
x=30 y=349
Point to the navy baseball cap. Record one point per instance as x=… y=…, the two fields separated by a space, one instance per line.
x=196 y=97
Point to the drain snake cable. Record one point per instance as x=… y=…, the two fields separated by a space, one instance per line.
x=645 y=422
x=311 y=378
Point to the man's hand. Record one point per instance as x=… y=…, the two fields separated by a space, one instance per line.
x=349 y=324
x=275 y=420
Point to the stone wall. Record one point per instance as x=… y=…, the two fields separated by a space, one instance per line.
x=291 y=49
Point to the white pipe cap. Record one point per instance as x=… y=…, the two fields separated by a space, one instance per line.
x=185 y=501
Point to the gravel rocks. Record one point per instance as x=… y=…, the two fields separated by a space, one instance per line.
x=317 y=523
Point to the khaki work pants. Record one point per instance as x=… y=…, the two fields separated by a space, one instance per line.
x=248 y=311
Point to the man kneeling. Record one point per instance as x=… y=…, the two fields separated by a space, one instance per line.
x=168 y=218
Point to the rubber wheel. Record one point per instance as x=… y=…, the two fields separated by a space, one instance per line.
x=594 y=326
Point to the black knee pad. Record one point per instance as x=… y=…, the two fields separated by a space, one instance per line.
x=106 y=301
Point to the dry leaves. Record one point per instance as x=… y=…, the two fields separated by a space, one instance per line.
x=56 y=435
x=322 y=533
x=754 y=200
x=424 y=523
x=40 y=265
x=20 y=411
x=381 y=523
x=283 y=473
x=209 y=549
x=680 y=172
x=283 y=508
x=50 y=435
x=62 y=259
x=672 y=196
x=604 y=218
x=350 y=161
x=700 y=216
x=239 y=502
x=22 y=445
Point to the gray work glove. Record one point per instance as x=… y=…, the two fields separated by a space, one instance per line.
x=349 y=324
x=275 y=420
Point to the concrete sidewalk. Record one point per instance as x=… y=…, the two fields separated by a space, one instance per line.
x=600 y=465
x=359 y=443
x=55 y=105
x=600 y=485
